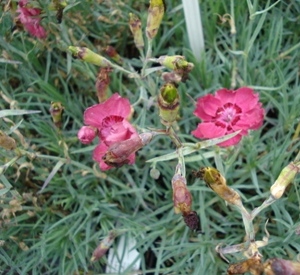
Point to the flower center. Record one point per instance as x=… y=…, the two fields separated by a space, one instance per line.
x=228 y=114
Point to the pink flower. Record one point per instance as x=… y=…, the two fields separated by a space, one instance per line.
x=30 y=18
x=227 y=112
x=109 y=118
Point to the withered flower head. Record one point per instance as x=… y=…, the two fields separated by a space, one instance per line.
x=155 y=14
x=281 y=267
x=217 y=183
x=252 y=265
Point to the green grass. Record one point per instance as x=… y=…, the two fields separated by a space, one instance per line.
x=56 y=231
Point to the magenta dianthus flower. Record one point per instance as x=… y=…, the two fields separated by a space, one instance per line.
x=30 y=19
x=226 y=112
x=110 y=119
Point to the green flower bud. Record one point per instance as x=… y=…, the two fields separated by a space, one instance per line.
x=168 y=104
x=135 y=26
x=155 y=14
x=89 y=56
x=56 y=111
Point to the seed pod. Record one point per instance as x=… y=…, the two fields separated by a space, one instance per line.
x=168 y=104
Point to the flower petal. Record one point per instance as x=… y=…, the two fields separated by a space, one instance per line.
x=114 y=131
x=207 y=107
x=209 y=130
x=253 y=119
x=246 y=99
x=115 y=105
x=98 y=153
x=226 y=96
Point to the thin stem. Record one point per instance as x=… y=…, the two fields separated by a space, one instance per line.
x=148 y=55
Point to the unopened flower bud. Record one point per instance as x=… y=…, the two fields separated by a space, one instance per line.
x=281 y=267
x=217 y=183
x=89 y=56
x=112 y=53
x=7 y=142
x=102 y=83
x=155 y=14
x=135 y=26
x=86 y=134
x=56 y=111
x=286 y=176
x=118 y=153
x=168 y=104
x=154 y=173
x=103 y=247
x=182 y=198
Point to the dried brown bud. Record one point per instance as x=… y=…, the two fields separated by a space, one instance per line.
x=281 y=267
x=7 y=142
x=102 y=83
x=104 y=245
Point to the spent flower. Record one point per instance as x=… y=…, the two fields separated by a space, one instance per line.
x=135 y=26
x=226 y=112
x=155 y=14
x=30 y=19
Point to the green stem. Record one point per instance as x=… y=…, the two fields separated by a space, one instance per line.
x=148 y=55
